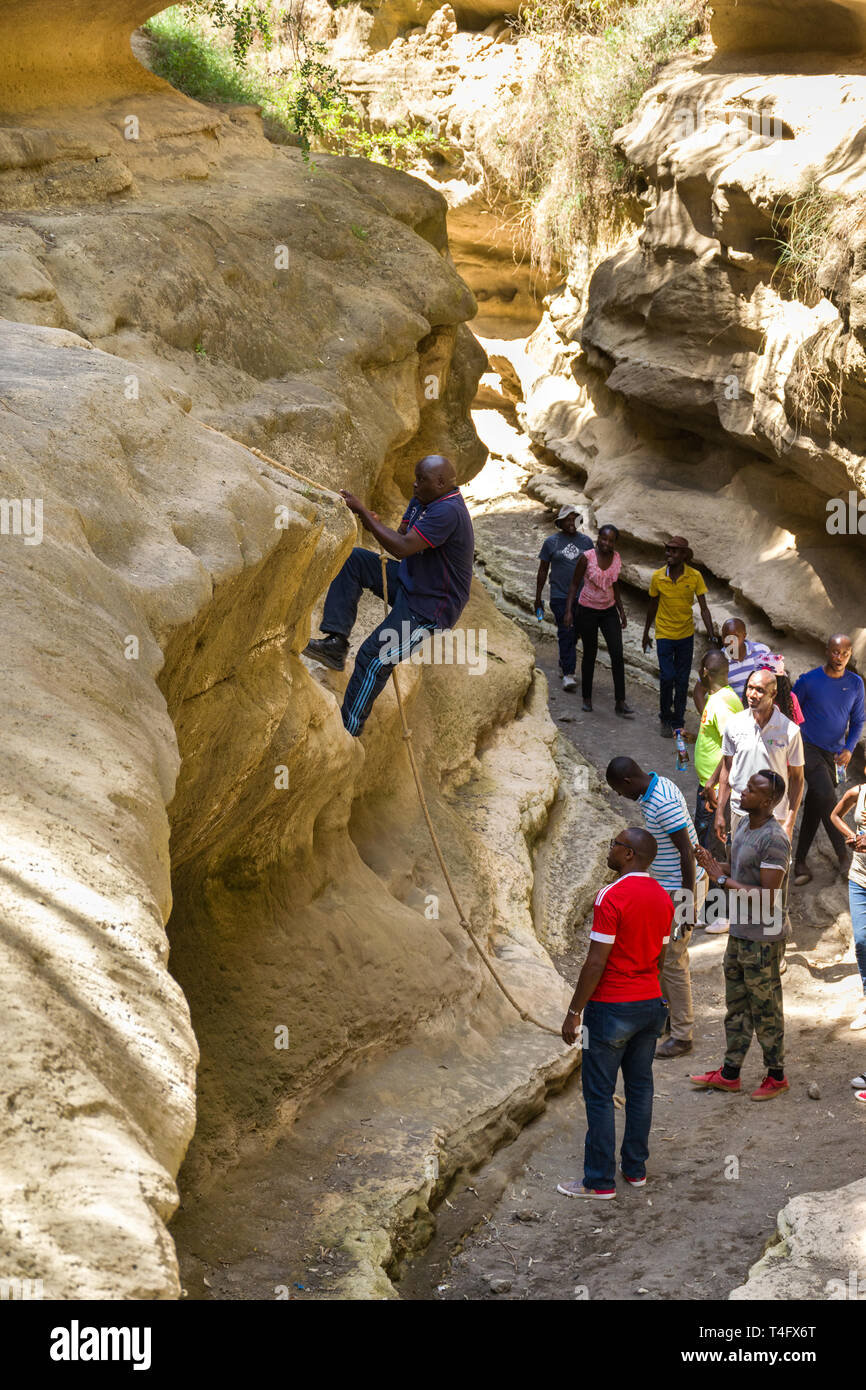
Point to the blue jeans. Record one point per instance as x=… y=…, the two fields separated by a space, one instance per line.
x=857 y=903
x=567 y=639
x=391 y=642
x=618 y=1035
x=675 y=668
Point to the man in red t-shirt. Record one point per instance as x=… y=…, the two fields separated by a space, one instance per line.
x=619 y=994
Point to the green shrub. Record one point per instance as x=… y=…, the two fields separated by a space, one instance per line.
x=214 y=50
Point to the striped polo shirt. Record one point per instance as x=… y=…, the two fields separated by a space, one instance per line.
x=739 y=671
x=664 y=813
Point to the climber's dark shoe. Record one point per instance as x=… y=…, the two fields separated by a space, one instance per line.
x=330 y=651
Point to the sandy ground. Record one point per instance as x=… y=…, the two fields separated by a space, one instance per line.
x=721 y=1167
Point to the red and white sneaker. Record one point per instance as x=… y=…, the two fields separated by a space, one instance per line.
x=860 y=1095
x=769 y=1088
x=714 y=1081
x=577 y=1189
x=634 y=1182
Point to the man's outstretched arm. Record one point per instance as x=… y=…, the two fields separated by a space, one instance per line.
x=396 y=543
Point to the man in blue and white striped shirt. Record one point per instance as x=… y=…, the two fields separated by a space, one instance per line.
x=666 y=816
x=744 y=656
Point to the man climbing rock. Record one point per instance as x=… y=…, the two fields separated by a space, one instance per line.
x=666 y=817
x=672 y=593
x=760 y=853
x=624 y=1013
x=834 y=711
x=558 y=556
x=428 y=585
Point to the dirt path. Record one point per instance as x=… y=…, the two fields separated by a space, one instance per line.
x=721 y=1167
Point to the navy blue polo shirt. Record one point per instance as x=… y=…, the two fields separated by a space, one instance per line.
x=438 y=578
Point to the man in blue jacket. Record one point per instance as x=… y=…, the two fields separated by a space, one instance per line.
x=428 y=585
x=832 y=700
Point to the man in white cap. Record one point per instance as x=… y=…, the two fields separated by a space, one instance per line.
x=558 y=557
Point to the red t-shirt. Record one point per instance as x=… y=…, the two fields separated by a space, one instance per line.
x=635 y=913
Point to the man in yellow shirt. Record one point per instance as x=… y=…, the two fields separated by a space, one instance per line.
x=672 y=593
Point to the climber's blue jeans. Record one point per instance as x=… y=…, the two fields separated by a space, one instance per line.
x=675 y=667
x=391 y=642
x=618 y=1035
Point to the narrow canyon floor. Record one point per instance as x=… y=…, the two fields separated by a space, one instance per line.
x=693 y=1232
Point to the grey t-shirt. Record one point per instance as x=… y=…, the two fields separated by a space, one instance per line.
x=562 y=553
x=750 y=914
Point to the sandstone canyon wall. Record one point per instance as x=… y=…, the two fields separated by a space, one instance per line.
x=168 y=752
x=170 y=757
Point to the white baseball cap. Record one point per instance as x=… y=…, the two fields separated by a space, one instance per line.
x=567 y=511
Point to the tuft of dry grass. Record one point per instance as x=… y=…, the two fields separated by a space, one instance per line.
x=804 y=230
x=597 y=58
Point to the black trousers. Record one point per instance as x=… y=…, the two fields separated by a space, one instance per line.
x=822 y=793
x=590 y=622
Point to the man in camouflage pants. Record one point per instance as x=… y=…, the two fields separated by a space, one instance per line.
x=760 y=855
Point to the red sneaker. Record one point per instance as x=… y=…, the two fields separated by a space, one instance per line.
x=770 y=1088
x=713 y=1080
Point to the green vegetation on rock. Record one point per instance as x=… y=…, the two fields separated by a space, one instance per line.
x=217 y=51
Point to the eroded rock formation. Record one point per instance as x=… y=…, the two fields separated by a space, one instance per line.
x=161 y=275
x=684 y=382
x=439 y=72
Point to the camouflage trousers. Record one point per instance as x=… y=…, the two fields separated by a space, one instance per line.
x=753 y=996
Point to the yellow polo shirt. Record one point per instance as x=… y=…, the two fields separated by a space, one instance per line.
x=675 y=618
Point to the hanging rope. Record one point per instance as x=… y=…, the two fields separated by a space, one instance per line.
x=463 y=919
x=266 y=458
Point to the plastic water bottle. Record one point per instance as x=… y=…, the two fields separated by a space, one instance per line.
x=682 y=751
x=539 y=612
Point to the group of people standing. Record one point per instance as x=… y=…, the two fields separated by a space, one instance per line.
x=586 y=600
x=725 y=867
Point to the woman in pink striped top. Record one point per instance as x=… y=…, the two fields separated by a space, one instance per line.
x=600 y=609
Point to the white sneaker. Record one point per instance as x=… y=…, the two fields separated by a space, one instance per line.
x=577 y=1189
x=859 y=1019
x=719 y=927
x=569 y=683
x=858 y=1082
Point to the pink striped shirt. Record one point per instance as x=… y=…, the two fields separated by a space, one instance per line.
x=597 y=591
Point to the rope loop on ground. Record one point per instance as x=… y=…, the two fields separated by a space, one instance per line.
x=461 y=916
